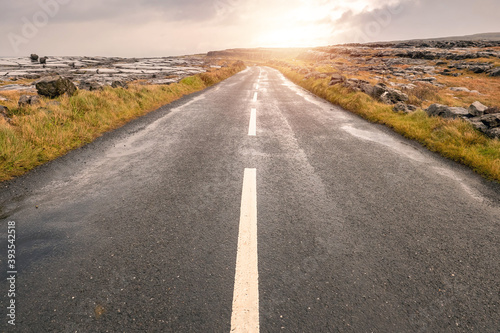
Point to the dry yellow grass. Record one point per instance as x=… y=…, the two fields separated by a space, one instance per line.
x=454 y=139
x=41 y=133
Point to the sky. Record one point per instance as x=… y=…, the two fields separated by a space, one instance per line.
x=151 y=28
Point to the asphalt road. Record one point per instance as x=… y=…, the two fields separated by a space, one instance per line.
x=339 y=226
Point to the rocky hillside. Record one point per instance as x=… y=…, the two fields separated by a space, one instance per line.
x=91 y=73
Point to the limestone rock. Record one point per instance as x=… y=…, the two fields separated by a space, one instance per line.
x=446 y=111
x=477 y=109
x=393 y=96
x=495 y=72
x=403 y=107
x=4 y=113
x=459 y=89
x=53 y=87
x=491 y=120
x=336 y=79
x=90 y=85
x=26 y=100
x=478 y=124
x=492 y=110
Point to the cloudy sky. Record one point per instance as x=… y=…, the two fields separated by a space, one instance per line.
x=136 y=28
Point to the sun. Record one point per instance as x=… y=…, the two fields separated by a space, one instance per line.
x=303 y=26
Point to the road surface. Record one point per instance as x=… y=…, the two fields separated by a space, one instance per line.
x=251 y=206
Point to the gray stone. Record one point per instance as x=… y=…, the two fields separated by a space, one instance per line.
x=492 y=110
x=491 y=120
x=495 y=72
x=403 y=107
x=34 y=57
x=493 y=132
x=43 y=60
x=26 y=100
x=4 y=113
x=478 y=124
x=53 y=87
x=477 y=109
x=119 y=84
x=91 y=85
x=336 y=79
x=446 y=111
x=459 y=89
x=393 y=96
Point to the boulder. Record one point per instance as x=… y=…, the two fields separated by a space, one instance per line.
x=491 y=120
x=91 y=85
x=393 y=96
x=119 y=84
x=34 y=57
x=4 y=113
x=336 y=79
x=446 y=111
x=492 y=110
x=478 y=124
x=495 y=72
x=53 y=87
x=493 y=132
x=459 y=89
x=43 y=60
x=26 y=100
x=403 y=107
x=477 y=109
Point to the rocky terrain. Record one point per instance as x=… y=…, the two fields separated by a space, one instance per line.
x=92 y=73
x=447 y=78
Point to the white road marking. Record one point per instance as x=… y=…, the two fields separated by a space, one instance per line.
x=255 y=97
x=257 y=86
x=252 y=129
x=245 y=316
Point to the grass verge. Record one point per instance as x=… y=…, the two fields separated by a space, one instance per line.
x=454 y=139
x=39 y=134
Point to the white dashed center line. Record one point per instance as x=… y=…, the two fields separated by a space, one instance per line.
x=245 y=316
x=252 y=129
x=255 y=97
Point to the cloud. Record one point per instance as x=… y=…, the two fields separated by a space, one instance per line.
x=417 y=19
x=159 y=27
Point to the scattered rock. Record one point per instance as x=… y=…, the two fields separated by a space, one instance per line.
x=34 y=57
x=460 y=89
x=478 y=124
x=495 y=72
x=90 y=85
x=4 y=113
x=403 y=107
x=446 y=111
x=55 y=86
x=491 y=120
x=43 y=60
x=492 y=110
x=26 y=100
x=119 y=84
x=493 y=132
x=477 y=109
x=393 y=96
x=337 y=79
